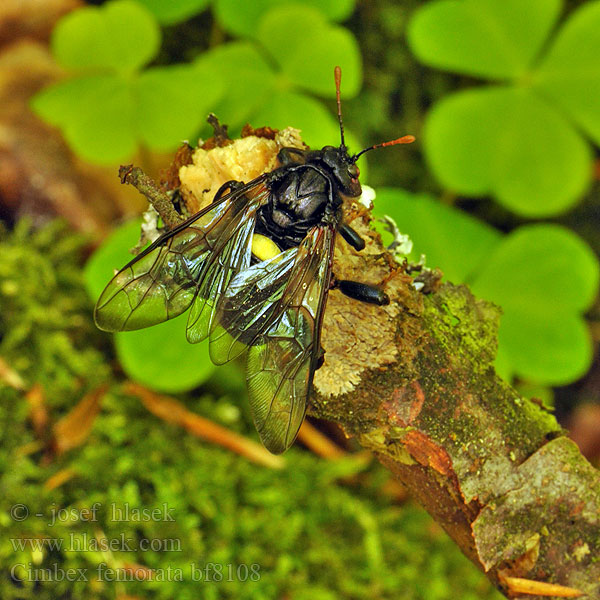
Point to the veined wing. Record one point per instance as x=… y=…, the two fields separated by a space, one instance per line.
x=163 y=281
x=276 y=308
x=231 y=254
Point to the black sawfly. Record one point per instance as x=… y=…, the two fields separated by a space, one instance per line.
x=254 y=268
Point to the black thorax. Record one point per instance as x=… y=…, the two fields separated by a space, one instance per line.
x=300 y=197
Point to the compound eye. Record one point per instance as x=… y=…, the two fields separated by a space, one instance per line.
x=353 y=171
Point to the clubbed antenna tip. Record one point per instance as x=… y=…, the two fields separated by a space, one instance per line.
x=405 y=139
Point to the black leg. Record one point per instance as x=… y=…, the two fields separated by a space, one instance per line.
x=352 y=237
x=354 y=289
x=320 y=358
x=361 y=291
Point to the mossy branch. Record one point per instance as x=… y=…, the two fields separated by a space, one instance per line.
x=493 y=468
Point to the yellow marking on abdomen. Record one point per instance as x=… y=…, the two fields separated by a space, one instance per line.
x=263 y=247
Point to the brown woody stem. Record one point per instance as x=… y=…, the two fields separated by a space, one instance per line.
x=156 y=196
x=493 y=468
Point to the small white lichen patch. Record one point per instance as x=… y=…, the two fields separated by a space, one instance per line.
x=150 y=230
x=367 y=197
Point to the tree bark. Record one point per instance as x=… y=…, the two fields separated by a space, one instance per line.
x=493 y=468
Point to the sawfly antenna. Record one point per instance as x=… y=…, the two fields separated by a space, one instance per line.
x=337 y=75
x=405 y=139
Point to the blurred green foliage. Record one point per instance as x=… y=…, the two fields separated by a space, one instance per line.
x=243 y=18
x=269 y=79
x=520 y=138
x=543 y=276
x=316 y=529
x=175 y=11
x=110 y=105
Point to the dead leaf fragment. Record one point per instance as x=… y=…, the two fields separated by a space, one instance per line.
x=31 y=18
x=172 y=411
x=73 y=429
x=38 y=411
x=518 y=585
x=10 y=377
x=59 y=478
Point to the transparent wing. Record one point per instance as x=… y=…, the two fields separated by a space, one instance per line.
x=164 y=280
x=275 y=308
x=250 y=306
x=231 y=253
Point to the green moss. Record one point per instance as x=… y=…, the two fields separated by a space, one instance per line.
x=46 y=331
x=456 y=316
x=310 y=534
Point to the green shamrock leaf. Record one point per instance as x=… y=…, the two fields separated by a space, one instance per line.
x=296 y=50
x=307 y=114
x=174 y=11
x=306 y=48
x=520 y=141
x=570 y=72
x=121 y=36
x=94 y=112
x=510 y=142
x=544 y=277
x=108 y=107
x=485 y=38
x=449 y=238
x=246 y=76
x=242 y=18
x=161 y=357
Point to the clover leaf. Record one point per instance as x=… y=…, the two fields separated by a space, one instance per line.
x=242 y=18
x=108 y=107
x=307 y=114
x=485 y=38
x=174 y=11
x=307 y=47
x=265 y=80
x=508 y=141
x=450 y=239
x=246 y=76
x=570 y=72
x=544 y=277
x=121 y=36
x=161 y=357
x=158 y=356
x=518 y=141
x=172 y=102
